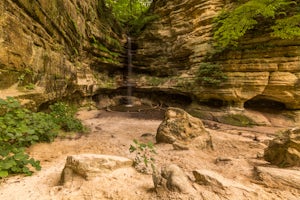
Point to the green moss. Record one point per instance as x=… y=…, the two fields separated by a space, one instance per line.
x=237 y=120
x=155 y=81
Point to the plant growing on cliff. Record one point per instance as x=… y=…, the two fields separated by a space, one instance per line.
x=280 y=16
x=210 y=74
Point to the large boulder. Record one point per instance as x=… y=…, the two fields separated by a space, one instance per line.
x=180 y=127
x=284 y=150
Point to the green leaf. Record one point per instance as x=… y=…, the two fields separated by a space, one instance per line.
x=3 y=173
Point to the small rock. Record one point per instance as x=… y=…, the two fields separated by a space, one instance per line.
x=176 y=179
x=180 y=146
x=222 y=160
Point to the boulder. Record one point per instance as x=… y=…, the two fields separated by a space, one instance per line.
x=88 y=165
x=284 y=150
x=177 y=180
x=180 y=127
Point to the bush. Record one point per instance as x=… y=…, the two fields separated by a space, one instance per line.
x=20 y=128
x=63 y=115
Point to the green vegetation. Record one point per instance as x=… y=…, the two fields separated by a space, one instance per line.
x=281 y=17
x=143 y=156
x=237 y=120
x=210 y=74
x=127 y=10
x=132 y=14
x=63 y=115
x=20 y=128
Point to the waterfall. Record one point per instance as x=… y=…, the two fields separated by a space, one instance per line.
x=129 y=72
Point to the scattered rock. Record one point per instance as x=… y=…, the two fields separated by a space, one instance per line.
x=223 y=160
x=220 y=184
x=278 y=178
x=176 y=179
x=87 y=165
x=284 y=150
x=180 y=146
x=179 y=126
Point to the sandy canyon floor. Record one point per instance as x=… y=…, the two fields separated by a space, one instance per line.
x=236 y=152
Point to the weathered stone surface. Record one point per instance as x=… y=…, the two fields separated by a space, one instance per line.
x=56 y=46
x=179 y=126
x=177 y=43
x=223 y=187
x=88 y=166
x=176 y=179
x=284 y=150
x=278 y=178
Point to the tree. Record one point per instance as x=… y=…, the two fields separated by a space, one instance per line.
x=128 y=10
x=283 y=15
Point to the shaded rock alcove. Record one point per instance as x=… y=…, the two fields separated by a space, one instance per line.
x=265 y=105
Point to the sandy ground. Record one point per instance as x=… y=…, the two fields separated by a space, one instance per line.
x=112 y=133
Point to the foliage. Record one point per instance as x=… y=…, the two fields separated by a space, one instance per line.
x=210 y=74
x=131 y=13
x=127 y=10
x=63 y=115
x=20 y=128
x=231 y=25
x=144 y=156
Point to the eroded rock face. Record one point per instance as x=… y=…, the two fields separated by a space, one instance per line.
x=56 y=47
x=179 y=126
x=88 y=166
x=278 y=178
x=284 y=151
x=180 y=40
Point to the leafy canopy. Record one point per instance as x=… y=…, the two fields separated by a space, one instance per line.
x=233 y=24
x=128 y=10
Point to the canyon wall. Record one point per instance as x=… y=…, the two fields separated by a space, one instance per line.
x=171 y=49
x=59 y=48
x=71 y=48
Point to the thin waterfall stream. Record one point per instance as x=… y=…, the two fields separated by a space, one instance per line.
x=129 y=73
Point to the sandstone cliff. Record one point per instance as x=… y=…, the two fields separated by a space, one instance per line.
x=53 y=49
x=261 y=70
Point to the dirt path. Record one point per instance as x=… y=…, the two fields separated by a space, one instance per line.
x=112 y=133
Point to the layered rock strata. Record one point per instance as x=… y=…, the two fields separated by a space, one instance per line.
x=52 y=49
x=174 y=46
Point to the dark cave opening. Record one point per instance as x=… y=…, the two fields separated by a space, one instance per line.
x=265 y=105
x=214 y=103
x=159 y=97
